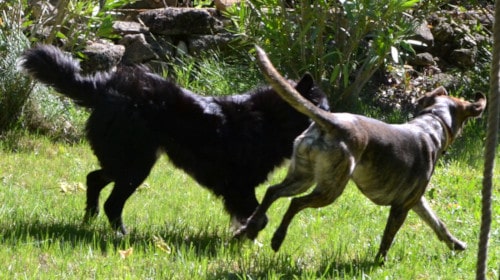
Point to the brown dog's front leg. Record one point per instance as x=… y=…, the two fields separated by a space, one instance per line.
x=397 y=217
x=425 y=212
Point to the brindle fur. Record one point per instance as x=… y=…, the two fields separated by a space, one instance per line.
x=391 y=164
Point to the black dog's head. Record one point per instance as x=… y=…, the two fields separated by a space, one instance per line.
x=307 y=88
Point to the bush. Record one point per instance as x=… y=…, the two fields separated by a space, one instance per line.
x=24 y=105
x=71 y=23
x=342 y=43
x=15 y=88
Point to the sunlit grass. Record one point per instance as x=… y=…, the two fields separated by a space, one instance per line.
x=178 y=229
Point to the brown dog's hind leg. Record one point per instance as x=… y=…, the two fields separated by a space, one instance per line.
x=425 y=212
x=296 y=182
x=397 y=217
x=332 y=181
x=332 y=167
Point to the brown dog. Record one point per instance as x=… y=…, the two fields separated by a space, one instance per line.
x=390 y=164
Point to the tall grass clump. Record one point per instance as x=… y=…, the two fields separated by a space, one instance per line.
x=15 y=88
x=342 y=43
x=215 y=75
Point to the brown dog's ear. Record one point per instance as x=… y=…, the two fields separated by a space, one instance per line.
x=476 y=109
x=438 y=92
x=305 y=84
x=428 y=98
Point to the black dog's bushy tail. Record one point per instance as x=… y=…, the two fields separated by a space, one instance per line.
x=52 y=67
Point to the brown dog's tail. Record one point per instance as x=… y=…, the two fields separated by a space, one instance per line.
x=289 y=94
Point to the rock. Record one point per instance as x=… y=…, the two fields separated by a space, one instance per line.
x=181 y=49
x=423 y=34
x=422 y=59
x=137 y=50
x=101 y=57
x=128 y=27
x=443 y=32
x=201 y=43
x=464 y=57
x=222 y=5
x=182 y=21
x=151 y=4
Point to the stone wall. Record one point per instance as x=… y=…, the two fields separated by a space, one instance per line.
x=158 y=36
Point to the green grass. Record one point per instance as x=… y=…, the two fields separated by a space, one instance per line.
x=178 y=230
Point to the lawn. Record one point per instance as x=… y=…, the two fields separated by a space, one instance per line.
x=179 y=230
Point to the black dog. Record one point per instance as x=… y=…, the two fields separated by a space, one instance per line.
x=227 y=144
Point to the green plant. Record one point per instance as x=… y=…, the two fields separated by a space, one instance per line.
x=214 y=75
x=15 y=88
x=37 y=108
x=342 y=43
x=71 y=22
x=47 y=112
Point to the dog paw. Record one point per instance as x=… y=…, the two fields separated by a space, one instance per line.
x=380 y=259
x=240 y=233
x=246 y=231
x=277 y=240
x=89 y=217
x=252 y=228
x=119 y=228
x=459 y=245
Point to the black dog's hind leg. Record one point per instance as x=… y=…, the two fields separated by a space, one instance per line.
x=96 y=181
x=131 y=178
x=113 y=206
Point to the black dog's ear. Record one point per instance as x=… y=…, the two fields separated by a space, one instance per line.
x=305 y=84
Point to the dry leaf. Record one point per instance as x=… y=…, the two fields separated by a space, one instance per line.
x=161 y=244
x=126 y=253
x=71 y=187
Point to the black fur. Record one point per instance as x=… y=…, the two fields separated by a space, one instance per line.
x=227 y=144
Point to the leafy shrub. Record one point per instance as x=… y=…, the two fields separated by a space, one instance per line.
x=342 y=43
x=15 y=88
x=71 y=23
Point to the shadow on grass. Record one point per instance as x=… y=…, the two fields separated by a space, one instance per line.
x=41 y=234
x=286 y=267
x=204 y=242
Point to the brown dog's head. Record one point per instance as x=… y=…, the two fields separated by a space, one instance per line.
x=452 y=111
